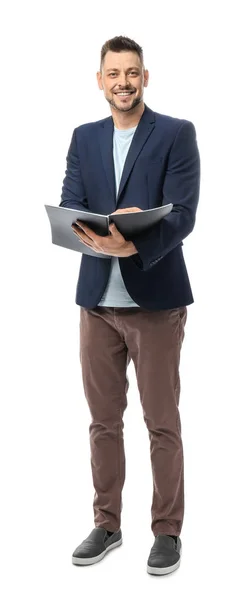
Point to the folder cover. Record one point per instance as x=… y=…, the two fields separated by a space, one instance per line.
x=129 y=223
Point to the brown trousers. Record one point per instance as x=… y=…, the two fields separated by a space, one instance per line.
x=109 y=339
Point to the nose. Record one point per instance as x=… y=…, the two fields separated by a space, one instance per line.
x=122 y=81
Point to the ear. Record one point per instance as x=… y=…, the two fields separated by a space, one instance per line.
x=146 y=77
x=99 y=80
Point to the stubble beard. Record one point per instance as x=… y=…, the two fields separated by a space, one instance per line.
x=121 y=108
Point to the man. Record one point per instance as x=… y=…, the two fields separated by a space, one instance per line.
x=134 y=303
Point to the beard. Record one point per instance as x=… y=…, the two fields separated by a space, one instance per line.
x=125 y=108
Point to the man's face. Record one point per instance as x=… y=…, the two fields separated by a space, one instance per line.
x=123 y=71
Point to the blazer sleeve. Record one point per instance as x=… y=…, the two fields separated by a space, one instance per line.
x=181 y=187
x=73 y=193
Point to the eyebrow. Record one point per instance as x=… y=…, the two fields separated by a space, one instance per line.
x=129 y=69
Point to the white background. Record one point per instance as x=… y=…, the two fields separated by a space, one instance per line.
x=197 y=56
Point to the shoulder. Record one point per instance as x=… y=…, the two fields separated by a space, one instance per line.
x=173 y=124
x=92 y=126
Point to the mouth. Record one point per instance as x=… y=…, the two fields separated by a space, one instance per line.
x=124 y=94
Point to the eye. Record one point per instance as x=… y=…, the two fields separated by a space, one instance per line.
x=134 y=73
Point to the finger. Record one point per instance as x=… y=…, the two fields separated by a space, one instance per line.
x=76 y=228
x=81 y=224
x=83 y=238
x=89 y=245
x=114 y=230
x=85 y=227
x=134 y=209
x=86 y=230
x=90 y=233
x=79 y=237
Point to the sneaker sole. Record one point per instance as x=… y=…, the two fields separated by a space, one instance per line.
x=164 y=570
x=94 y=559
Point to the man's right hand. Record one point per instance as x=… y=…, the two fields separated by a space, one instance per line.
x=123 y=210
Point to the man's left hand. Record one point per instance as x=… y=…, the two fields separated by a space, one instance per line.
x=113 y=245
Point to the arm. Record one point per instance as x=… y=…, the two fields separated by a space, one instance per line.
x=73 y=192
x=181 y=187
x=74 y=196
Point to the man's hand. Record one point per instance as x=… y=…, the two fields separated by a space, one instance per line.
x=113 y=245
x=131 y=209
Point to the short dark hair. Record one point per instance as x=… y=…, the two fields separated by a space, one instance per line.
x=120 y=44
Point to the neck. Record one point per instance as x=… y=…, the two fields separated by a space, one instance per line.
x=125 y=120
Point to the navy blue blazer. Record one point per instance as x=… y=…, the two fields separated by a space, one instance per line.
x=162 y=166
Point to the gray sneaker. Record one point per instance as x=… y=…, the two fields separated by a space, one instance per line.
x=165 y=555
x=95 y=546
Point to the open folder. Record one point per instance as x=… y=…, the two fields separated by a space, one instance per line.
x=129 y=223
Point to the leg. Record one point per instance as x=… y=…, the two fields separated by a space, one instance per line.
x=154 y=341
x=104 y=360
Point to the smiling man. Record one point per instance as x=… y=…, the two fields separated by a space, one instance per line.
x=133 y=302
x=123 y=79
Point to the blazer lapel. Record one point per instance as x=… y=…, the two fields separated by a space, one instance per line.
x=144 y=129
